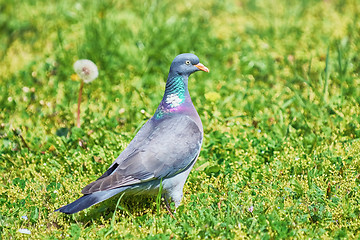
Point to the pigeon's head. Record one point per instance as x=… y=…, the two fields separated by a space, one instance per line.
x=185 y=64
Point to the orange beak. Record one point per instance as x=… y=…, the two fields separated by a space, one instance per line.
x=202 y=67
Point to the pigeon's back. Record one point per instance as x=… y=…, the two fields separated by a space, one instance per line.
x=161 y=149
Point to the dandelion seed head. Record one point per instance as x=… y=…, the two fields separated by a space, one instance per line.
x=86 y=69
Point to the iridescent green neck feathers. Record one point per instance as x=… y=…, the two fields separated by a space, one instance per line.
x=174 y=97
x=175 y=92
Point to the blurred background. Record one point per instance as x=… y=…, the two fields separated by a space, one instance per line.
x=280 y=106
x=306 y=48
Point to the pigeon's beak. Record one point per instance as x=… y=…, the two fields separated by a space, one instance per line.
x=202 y=67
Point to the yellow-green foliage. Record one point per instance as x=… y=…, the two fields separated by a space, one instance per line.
x=280 y=109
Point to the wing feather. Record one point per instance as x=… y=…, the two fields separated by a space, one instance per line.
x=165 y=149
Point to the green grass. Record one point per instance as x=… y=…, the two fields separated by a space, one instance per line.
x=280 y=109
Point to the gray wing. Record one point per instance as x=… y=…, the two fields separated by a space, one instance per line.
x=161 y=150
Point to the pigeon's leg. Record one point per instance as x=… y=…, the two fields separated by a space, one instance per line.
x=167 y=205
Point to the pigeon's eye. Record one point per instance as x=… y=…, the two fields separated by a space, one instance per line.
x=187 y=62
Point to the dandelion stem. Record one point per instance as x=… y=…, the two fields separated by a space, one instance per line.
x=79 y=102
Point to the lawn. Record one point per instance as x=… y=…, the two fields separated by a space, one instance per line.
x=280 y=110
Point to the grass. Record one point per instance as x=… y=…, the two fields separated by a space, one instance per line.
x=280 y=109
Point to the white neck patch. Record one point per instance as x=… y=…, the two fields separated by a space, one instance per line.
x=174 y=100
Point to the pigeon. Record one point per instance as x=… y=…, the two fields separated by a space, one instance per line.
x=162 y=153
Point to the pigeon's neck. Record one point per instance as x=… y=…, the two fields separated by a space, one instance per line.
x=176 y=97
x=176 y=91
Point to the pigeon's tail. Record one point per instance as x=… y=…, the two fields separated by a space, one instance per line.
x=89 y=200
